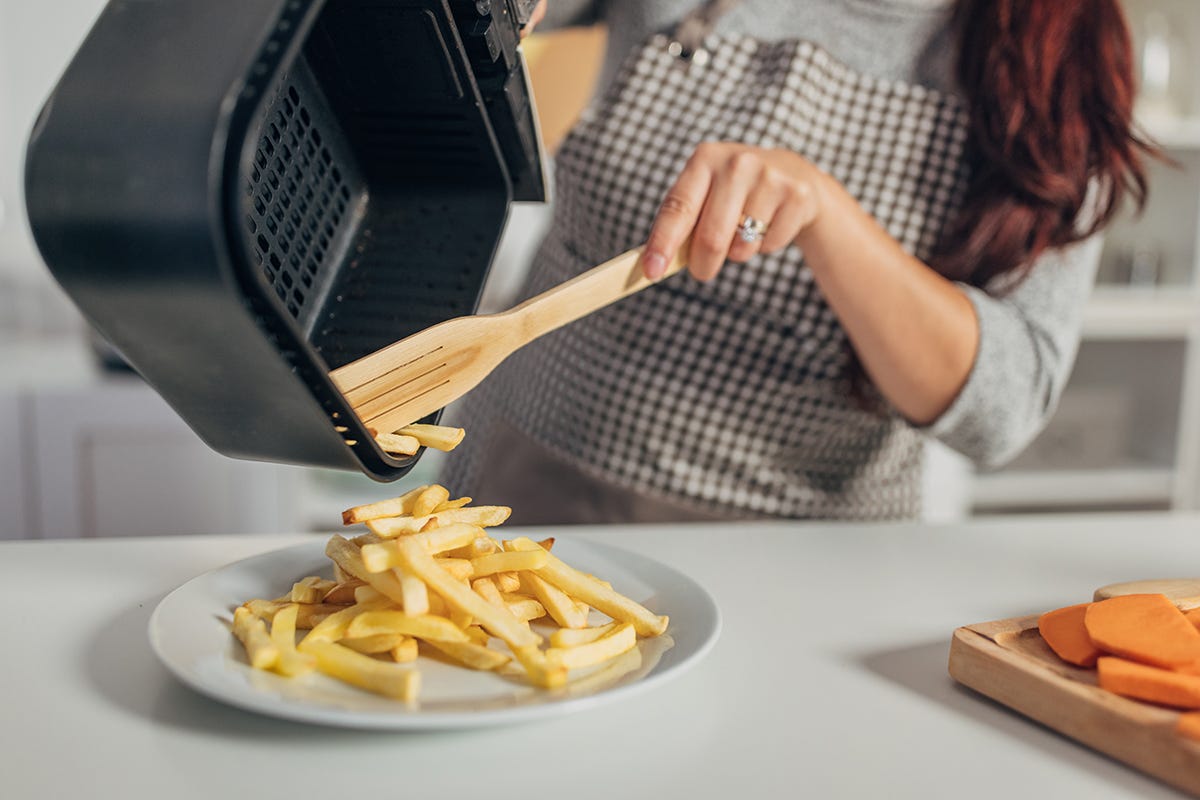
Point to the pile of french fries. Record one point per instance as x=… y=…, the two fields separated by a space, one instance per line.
x=427 y=577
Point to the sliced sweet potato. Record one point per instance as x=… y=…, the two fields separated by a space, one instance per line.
x=1064 y=631
x=1193 y=617
x=1189 y=725
x=1146 y=628
x=1143 y=682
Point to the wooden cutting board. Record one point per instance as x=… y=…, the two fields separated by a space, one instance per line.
x=1008 y=661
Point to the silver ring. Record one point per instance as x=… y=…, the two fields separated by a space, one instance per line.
x=751 y=229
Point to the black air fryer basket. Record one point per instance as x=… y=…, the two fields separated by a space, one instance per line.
x=243 y=195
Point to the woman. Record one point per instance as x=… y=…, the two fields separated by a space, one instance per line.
x=909 y=192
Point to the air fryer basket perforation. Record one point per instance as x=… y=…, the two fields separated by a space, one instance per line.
x=300 y=192
x=385 y=222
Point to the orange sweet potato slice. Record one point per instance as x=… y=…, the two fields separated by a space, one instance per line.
x=1189 y=725
x=1064 y=631
x=1147 y=628
x=1193 y=617
x=1142 y=682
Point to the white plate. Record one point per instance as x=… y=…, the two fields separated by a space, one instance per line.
x=189 y=633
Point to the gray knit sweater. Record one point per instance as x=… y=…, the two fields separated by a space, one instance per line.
x=1028 y=336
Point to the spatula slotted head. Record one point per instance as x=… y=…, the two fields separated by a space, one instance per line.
x=421 y=374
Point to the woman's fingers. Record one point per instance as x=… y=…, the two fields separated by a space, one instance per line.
x=762 y=205
x=723 y=211
x=796 y=211
x=723 y=184
x=676 y=217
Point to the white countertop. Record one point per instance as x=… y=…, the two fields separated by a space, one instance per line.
x=829 y=679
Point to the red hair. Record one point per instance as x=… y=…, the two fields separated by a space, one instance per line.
x=1053 y=150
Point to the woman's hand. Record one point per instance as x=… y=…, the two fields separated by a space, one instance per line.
x=539 y=13
x=721 y=185
x=915 y=331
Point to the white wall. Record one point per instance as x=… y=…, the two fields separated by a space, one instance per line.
x=37 y=39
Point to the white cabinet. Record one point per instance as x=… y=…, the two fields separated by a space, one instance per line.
x=14 y=493
x=86 y=454
x=115 y=460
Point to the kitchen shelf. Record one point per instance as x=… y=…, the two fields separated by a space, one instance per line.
x=1062 y=488
x=1180 y=134
x=1125 y=313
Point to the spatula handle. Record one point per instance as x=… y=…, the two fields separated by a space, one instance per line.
x=614 y=279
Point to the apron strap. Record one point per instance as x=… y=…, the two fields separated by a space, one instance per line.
x=699 y=23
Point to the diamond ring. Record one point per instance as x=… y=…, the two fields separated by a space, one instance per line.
x=751 y=229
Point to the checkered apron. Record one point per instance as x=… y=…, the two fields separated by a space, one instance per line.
x=732 y=396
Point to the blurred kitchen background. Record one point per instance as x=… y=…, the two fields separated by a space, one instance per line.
x=87 y=449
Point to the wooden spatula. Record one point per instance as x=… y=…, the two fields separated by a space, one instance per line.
x=403 y=382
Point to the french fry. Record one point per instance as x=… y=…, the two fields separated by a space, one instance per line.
x=349 y=558
x=608 y=675
x=366 y=593
x=439 y=437
x=438 y=607
x=594 y=593
x=487 y=589
x=251 y=631
x=426 y=626
x=539 y=670
x=561 y=608
x=459 y=568
x=397 y=444
x=343 y=592
x=283 y=635
x=497 y=621
x=333 y=627
x=375 y=643
x=382 y=556
x=380 y=677
x=428 y=500
x=307 y=613
x=446 y=505
x=395 y=507
x=566 y=637
x=476 y=634
x=416 y=595
x=509 y=562
x=482 y=546
x=508 y=581
x=310 y=590
x=525 y=608
x=611 y=645
x=447 y=537
x=471 y=654
x=481 y=516
x=406 y=651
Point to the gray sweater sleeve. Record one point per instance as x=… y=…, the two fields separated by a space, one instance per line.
x=1028 y=338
